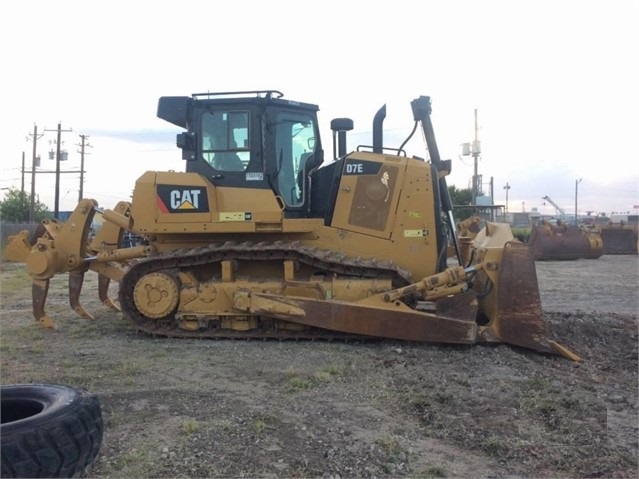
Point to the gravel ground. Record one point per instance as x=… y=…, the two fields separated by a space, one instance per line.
x=199 y=408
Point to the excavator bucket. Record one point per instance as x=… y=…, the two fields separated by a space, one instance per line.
x=620 y=239
x=565 y=242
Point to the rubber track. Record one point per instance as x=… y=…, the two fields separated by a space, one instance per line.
x=323 y=260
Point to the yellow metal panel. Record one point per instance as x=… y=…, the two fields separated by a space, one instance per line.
x=367 y=196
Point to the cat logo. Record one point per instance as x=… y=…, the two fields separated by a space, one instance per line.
x=182 y=199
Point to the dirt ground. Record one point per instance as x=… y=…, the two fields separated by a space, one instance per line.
x=187 y=408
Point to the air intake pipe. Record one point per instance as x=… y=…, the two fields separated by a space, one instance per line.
x=340 y=126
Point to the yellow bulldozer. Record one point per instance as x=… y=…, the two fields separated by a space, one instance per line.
x=260 y=238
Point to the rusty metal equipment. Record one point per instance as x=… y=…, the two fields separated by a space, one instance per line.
x=620 y=237
x=565 y=241
x=260 y=239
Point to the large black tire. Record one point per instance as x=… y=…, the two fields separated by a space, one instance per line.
x=48 y=430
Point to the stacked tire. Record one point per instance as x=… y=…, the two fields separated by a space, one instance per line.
x=48 y=430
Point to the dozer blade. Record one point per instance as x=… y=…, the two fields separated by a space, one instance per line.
x=39 y=291
x=76 y=279
x=103 y=292
x=518 y=318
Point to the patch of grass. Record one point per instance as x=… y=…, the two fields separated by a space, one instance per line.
x=495 y=447
x=23 y=338
x=158 y=354
x=544 y=408
x=324 y=375
x=127 y=368
x=297 y=383
x=114 y=418
x=15 y=284
x=393 y=453
x=327 y=373
x=433 y=472
x=444 y=397
x=537 y=383
x=259 y=425
x=551 y=404
x=137 y=462
x=190 y=426
x=390 y=445
x=331 y=370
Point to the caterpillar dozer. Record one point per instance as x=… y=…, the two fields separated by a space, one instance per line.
x=259 y=238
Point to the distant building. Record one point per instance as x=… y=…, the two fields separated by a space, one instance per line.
x=626 y=218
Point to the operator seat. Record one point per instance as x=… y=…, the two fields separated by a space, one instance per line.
x=228 y=160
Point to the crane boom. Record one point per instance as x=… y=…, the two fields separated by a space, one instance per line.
x=559 y=209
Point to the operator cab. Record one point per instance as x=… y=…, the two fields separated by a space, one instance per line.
x=251 y=139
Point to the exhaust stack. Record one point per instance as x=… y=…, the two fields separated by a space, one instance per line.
x=378 y=130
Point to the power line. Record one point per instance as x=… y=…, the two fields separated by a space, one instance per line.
x=33 y=167
x=82 y=146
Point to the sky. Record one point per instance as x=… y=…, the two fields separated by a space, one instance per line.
x=554 y=84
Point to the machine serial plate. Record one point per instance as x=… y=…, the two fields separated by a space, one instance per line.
x=236 y=216
x=415 y=233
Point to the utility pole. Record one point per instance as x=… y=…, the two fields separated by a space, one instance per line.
x=492 y=199
x=507 y=187
x=82 y=153
x=56 y=212
x=33 y=171
x=22 y=176
x=576 y=185
x=476 y=150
